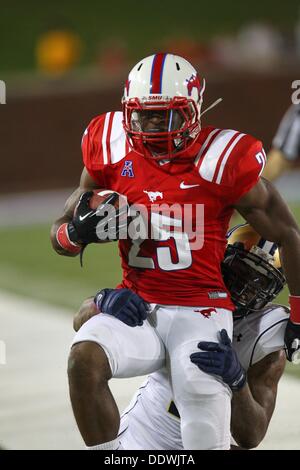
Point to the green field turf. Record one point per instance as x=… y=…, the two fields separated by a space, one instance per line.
x=31 y=268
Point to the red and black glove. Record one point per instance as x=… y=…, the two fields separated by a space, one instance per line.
x=90 y=225
x=82 y=229
x=292 y=332
x=75 y=235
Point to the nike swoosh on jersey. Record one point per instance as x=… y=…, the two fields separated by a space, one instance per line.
x=187 y=186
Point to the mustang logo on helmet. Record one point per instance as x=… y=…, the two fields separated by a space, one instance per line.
x=193 y=82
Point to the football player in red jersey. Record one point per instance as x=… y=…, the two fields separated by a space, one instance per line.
x=156 y=151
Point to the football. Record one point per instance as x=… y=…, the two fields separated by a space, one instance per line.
x=111 y=204
x=99 y=195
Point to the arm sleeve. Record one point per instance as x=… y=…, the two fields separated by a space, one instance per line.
x=287 y=137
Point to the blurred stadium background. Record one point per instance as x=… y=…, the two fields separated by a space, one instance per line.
x=63 y=63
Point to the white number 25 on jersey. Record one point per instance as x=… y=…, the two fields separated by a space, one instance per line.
x=164 y=259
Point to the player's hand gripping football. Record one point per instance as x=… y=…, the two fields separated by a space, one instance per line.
x=292 y=332
x=123 y=304
x=88 y=224
x=221 y=359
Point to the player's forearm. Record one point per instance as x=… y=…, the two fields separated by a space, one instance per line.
x=269 y=215
x=290 y=258
x=86 y=311
x=65 y=219
x=86 y=184
x=249 y=422
x=53 y=237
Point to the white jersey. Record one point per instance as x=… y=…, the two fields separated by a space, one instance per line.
x=151 y=421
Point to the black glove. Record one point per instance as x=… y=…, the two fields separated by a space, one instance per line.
x=86 y=226
x=292 y=342
x=221 y=359
x=123 y=304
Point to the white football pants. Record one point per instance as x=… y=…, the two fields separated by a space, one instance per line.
x=167 y=339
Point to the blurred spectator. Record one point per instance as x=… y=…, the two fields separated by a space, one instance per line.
x=259 y=45
x=285 y=152
x=224 y=50
x=58 y=51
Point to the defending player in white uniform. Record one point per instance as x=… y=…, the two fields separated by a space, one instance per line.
x=252 y=272
x=152 y=421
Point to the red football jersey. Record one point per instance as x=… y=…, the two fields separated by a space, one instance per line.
x=170 y=270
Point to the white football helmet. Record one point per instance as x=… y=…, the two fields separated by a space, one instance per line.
x=161 y=106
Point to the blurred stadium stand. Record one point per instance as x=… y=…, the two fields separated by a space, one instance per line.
x=65 y=65
x=41 y=130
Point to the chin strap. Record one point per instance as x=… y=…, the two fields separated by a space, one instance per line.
x=81 y=255
x=215 y=103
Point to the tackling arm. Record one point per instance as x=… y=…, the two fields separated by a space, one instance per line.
x=87 y=310
x=123 y=304
x=86 y=184
x=269 y=215
x=253 y=405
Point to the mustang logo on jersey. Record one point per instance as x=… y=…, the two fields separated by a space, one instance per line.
x=153 y=195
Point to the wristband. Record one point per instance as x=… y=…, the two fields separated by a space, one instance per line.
x=63 y=239
x=240 y=382
x=294 y=301
x=99 y=297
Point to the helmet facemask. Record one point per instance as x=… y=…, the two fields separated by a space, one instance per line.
x=250 y=278
x=161 y=130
